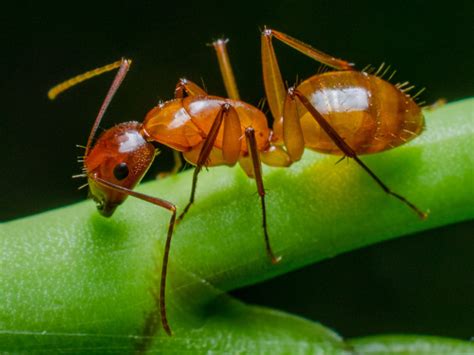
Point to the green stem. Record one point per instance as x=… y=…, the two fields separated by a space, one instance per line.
x=70 y=278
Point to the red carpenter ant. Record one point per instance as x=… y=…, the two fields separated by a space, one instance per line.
x=208 y=130
x=345 y=112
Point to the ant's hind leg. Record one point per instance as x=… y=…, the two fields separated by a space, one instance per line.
x=272 y=79
x=435 y=105
x=349 y=152
x=292 y=130
x=306 y=49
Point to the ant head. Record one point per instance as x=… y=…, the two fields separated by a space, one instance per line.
x=120 y=156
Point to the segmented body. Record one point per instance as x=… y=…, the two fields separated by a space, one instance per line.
x=369 y=113
x=183 y=124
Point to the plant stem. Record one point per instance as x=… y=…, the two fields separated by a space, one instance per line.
x=70 y=271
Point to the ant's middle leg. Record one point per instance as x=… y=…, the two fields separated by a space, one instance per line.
x=226 y=113
x=348 y=151
x=257 y=173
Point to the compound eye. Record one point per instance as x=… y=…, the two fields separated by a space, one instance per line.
x=121 y=171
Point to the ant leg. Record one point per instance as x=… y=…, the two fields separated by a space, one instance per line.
x=231 y=139
x=205 y=152
x=348 y=151
x=226 y=69
x=435 y=105
x=292 y=131
x=257 y=169
x=275 y=155
x=178 y=163
x=172 y=208
x=306 y=49
x=272 y=80
x=185 y=87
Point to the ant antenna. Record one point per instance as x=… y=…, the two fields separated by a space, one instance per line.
x=123 y=65
x=66 y=85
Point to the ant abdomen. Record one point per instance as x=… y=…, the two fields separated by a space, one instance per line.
x=345 y=112
x=369 y=113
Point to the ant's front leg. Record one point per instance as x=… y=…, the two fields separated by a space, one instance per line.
x=177 y=165
x=226 y=69
x=164 y=266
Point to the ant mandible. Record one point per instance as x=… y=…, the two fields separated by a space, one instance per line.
x=206 y=129
x=345 y=112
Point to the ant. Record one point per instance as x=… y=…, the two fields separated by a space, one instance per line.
x=207 y=130
x=345 y=112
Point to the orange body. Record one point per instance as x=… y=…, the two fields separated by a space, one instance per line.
x=369 y=113
x=183 y=124
x=345 y=112
x=208 y=130
x=122 y=144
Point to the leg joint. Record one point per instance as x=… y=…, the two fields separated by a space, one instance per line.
x=267 y=32
x=220 y=42
x=291 y=92
x=249 y=131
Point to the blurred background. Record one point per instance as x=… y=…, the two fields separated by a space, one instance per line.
x=413 y=285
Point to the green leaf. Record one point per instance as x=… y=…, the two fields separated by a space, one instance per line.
x=74 y=281
x=410 y=345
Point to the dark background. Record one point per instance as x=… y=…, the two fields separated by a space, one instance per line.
x=422 y=284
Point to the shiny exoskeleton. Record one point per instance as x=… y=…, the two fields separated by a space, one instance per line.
x=370 y=114
x=207 y=130
x=345 y=112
